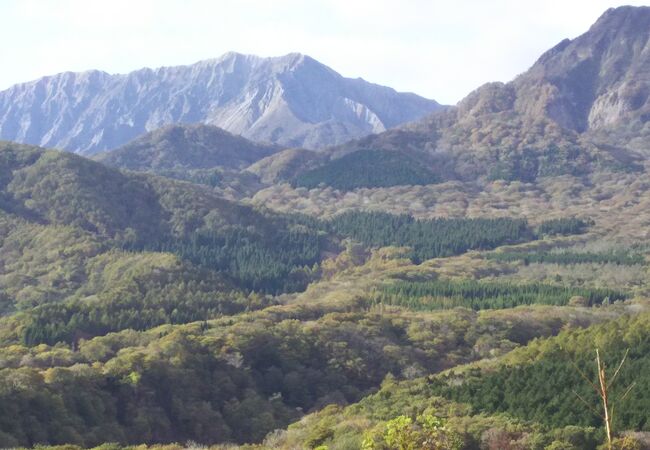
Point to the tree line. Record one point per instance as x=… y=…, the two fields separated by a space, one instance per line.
x=476 y=295
x=274 y=260
x=429 y=238
x=622 y=258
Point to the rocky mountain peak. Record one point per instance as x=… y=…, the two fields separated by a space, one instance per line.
x=291 y=100
x=598 y=79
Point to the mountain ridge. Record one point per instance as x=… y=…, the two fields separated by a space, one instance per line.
x=195 y=146
x=292 y=100
x=583 y=106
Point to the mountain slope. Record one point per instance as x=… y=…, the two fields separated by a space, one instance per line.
x=286 y=164
x=584 y=106
x=292 y=100
x=599 y=79
x=522 y=400
x=186 y=147
x=84 y=208
x=367 y=168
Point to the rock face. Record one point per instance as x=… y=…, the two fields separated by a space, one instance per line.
x=293 y=101
x=597 y=80
x=583 y=106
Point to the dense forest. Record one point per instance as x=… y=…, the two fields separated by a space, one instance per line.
x=368 y=169
x=282 y=259
x=542 y=389
x=274 y=260
x=429 y=238
x=564 y=226
x=238 y=378
x=129 y=307
x=515 y=402
x=140 y=310
x=445 y=294
x=621 y=257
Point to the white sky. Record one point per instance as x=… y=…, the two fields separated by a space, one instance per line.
x=438 y=49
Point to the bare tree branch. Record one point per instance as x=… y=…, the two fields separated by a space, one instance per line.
x=591 y=383
x=618 y=369
x=594 y=410
x=627 y=391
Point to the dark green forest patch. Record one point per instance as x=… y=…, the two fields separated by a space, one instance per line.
x=368 y=169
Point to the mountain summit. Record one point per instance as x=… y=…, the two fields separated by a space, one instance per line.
x=194 y=146
x=599 y=79
x=291 y=100
x=584 y=106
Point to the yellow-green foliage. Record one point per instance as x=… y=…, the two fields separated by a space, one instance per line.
x=426 y=432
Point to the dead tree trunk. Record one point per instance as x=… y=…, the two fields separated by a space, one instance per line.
x=603 y=389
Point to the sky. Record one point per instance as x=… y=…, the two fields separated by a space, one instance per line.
x=438 y=49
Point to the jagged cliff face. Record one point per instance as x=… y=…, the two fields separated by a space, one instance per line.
x=583 y=106
x=291 y=101
x=600 y=79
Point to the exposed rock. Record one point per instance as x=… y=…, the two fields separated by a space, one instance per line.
x=293 y=101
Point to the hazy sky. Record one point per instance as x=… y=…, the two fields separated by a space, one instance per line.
x=438 y=49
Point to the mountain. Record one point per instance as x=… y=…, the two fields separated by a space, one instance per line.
x=583 y=107
x=186 y=147
x=445 y=284
x=597 y=80
x=293 y=101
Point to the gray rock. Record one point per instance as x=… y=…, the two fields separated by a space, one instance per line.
x=584 y=106
x=598 y=80
x=293 y=101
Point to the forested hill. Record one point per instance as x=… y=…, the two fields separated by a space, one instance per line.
x=186 y=147
x=438 y=286
x=140 y=309
x=57 y=188
x=80 y=209
x=525 y=400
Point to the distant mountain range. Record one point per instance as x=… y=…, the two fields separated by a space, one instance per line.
x=584 y=106
x=292 y=101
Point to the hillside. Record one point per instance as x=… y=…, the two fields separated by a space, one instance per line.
x=441 y=285
x=247 y=373
x=583 y=107
x=127 y=320
x=292 y=101
x=139 y=334
x=244 y=375
x=186 y=147
x=285 y=165
x=493 y=405
x=366 y=168
x=63 y=201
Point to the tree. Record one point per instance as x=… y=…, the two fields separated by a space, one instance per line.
x=603 y=389
x=427 y=432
